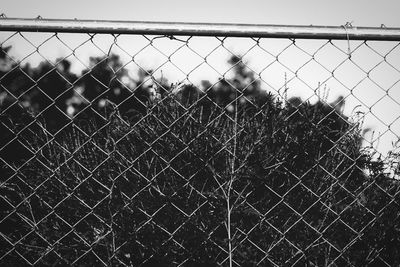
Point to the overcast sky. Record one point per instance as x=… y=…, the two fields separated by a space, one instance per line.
x=304 y=12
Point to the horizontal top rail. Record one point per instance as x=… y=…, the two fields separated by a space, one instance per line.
x=200 y=29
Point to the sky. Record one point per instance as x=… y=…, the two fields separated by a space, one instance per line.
x=371 y=13
x=305 y=12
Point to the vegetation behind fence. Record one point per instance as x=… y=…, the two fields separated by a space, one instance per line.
x=106 y=167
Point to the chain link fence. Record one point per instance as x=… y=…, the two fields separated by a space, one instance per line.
x=198 y=145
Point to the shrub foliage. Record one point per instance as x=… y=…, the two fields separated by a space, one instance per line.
x=183 y=177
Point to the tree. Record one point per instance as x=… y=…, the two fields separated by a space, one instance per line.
x=151 y=188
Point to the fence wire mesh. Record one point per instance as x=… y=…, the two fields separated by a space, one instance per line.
x=154 y=151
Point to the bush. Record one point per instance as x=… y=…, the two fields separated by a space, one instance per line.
x=154 y=190
x=155 y=180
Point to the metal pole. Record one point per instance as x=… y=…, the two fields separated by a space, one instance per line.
x=199 y=29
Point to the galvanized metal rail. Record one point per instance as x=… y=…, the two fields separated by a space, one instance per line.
x=200 y=29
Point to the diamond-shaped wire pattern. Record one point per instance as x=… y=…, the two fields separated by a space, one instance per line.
x=286 y=155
